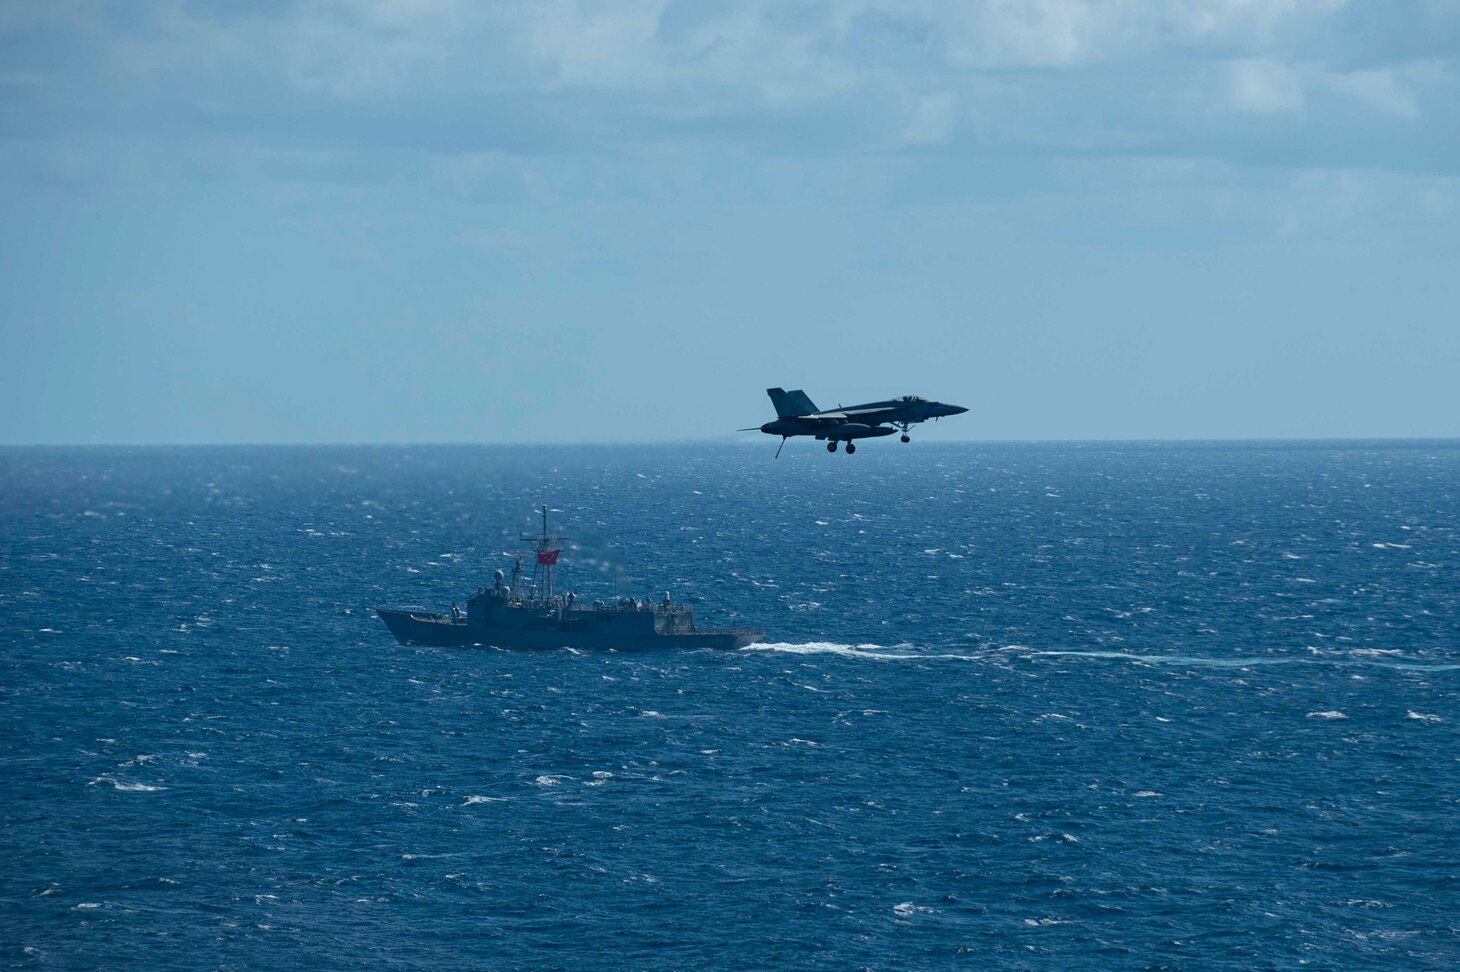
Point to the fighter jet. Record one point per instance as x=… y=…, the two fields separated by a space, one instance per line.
x=797 y=415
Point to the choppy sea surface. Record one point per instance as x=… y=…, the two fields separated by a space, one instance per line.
x=1137 y=706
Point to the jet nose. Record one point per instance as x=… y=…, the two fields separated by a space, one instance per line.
x=954 y=409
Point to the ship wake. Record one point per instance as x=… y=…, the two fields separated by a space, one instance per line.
x=900 y=652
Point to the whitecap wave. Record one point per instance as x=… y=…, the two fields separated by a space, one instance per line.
x=138 y=788
x=126 y=786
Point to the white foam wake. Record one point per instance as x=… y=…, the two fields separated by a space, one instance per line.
x=876 y=652
x=1391 y=658
x=907 y=652
x=1373 y=657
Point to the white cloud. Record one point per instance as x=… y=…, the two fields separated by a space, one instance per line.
x=1264 y=87
x=1380 y=90
x=1000 y=34
x=933 y=119
x=612 y=47
x=757 y=49
x=1245 y=24
x=1267 y=87
x=1119 y=76
x=1043 y=33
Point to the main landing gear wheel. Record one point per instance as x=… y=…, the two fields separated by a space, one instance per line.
x=851 y=448
x=906 y=437
x=831 y=446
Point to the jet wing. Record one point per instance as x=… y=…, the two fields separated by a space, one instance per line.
x=851 y=413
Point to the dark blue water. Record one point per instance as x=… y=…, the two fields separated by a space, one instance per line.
x=1026 y=707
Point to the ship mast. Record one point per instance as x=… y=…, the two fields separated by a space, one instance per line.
x=547 y=553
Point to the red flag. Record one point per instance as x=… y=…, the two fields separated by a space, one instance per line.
x=548 y=557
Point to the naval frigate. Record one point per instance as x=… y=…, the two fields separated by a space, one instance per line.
x=528 y=612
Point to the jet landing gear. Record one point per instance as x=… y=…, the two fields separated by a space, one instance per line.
x=831 y=445
x=906 y=438
x=851 y=448
x=905 y=427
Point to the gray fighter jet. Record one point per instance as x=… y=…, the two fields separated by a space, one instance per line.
x=796 y=415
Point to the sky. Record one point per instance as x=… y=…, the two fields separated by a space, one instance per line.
x=399 y=221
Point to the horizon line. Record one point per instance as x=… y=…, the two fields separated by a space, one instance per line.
x=721 y=441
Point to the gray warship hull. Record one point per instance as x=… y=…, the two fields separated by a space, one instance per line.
x=614 y=629
x=533 y=615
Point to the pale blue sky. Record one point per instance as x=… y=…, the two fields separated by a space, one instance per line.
x=445 y=220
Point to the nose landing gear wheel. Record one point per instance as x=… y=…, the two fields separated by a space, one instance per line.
x=906 y=437
x=851 y=448
x=831 y=446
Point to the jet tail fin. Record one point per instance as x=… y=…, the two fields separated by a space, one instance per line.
x=790 y=404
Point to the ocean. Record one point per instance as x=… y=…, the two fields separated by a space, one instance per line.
x=1020 y=706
